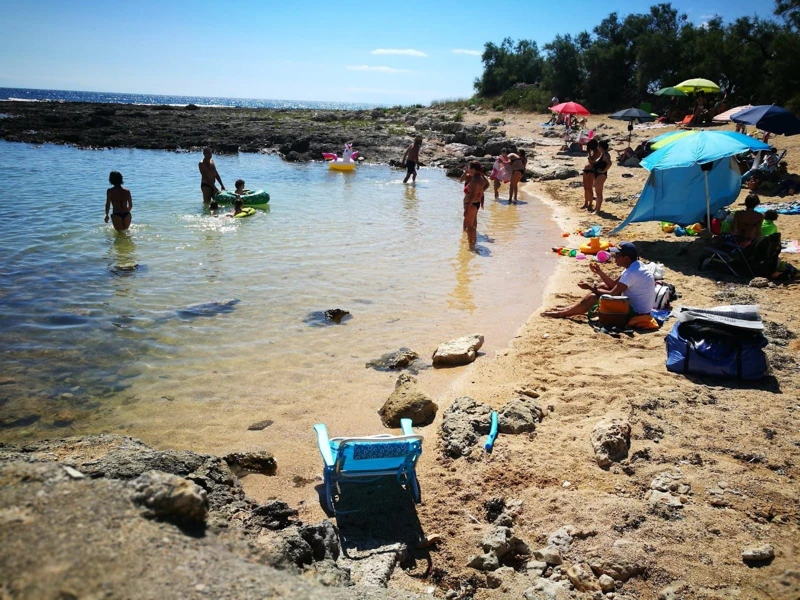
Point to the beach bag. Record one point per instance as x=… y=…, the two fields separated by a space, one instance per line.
x=665 y=294
x=613 y=311
x=703 y=348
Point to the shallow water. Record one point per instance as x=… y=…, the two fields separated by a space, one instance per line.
x=94 y=328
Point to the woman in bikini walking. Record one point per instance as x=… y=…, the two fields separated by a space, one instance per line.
x=119 y=198
x=518 y=162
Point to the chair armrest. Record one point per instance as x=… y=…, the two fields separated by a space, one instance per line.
x=323 y=444
x=405 y=425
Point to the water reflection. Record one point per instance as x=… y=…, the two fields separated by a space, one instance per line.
x=463 y=295
x=410 y=206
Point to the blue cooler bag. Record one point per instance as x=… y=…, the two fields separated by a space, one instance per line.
x=705 y=349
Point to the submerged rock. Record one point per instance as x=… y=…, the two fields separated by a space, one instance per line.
x=207 y=309
x=331 y=316
x=461 y=351
x=407 y=402
x=394 y=361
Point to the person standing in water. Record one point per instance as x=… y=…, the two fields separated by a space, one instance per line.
x=119 y=198
x=209 y=176
x=411 y=159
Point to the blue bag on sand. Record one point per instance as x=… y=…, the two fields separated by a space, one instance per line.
x=708 y=350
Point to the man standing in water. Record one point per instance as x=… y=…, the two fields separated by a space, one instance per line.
x=208 y=176
x=411 y=159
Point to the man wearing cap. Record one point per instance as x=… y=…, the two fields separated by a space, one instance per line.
x=636 y=283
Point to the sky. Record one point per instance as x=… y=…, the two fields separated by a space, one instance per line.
x=378 y=52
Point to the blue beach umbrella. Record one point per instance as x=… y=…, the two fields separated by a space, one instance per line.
x=773 y=118
x=692 y=177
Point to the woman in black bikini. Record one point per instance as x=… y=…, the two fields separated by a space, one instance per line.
x=518 y=162
x=120 y=199
x=588 y=174
x=476 y=184
x=601 y=167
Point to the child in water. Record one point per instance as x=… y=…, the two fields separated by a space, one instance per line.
x=237 y=208
x=240 y=188
x=120 y=198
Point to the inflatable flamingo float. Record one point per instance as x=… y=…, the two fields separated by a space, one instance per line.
x=346 y=163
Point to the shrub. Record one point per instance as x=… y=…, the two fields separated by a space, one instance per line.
x=459 y=116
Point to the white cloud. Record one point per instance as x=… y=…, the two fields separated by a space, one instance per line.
x=376 y=69
x=407 y=52
x=470 y=52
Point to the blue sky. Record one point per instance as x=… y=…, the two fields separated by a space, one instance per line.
x=388 y=53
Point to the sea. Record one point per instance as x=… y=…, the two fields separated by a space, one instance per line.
x=191 y=326
x=32 y=95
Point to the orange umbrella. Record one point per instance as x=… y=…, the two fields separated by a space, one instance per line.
x=570 y=108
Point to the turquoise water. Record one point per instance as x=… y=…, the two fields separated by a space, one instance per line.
x=94 y=331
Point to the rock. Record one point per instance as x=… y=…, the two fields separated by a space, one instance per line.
x=544 y=589
x=519 y=415
x=394 y=361
x=561 y=538
x=329 y=574
x=407 y=402
x=494 y=579
x=373 y=567
x=495 y=146
x=759 y=282
x=656 y=498
x=549 y=554
x=63 y=418
x=170 y=497
x=496 y=541
x=484 y=562
x=674 y=591
x=323 y=538
x=755 y=554
x=286 y=548
x=536 y=567
x=582 y=577
x=336 y=315
x=259 y=425
x=464 y=422
x=73 y=473
x=553 y=174
x=618 y=568
x=455 y=353
x=611 y=439
x=208 y=309
x=259 y=461
x=607 y=584
x=274 y=514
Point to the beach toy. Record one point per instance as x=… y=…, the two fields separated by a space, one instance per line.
x=573 y=253
x=602 y=256
x=594 y=245
x=564 y=252
x=489 y=444
x=697 y=228
x=248 y=198
x=565 y=234
x=679 y=231
x=593 y=231
x=247 y=211
x=346 y=163
x=667 y=227
x=581 y=256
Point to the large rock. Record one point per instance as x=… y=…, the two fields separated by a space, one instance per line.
x=461 y=351
x=464 y=422
x=616 y=567
x=611 y=439
x=545 y=589
x=495 y=146
x=373 y=566
x=259 y=461
x=170 y=497
x=519 y=415
x=407 y=402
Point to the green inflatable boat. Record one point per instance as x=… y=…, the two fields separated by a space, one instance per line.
x=249 y=198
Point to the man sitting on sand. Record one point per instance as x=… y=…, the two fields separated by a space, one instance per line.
x=411 y=159
x=636 y=283
x=208 y=176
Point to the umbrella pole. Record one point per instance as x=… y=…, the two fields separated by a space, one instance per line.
x=708 y=202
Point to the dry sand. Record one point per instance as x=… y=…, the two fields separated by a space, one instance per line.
x=738 y=440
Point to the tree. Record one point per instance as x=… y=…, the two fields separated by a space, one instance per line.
x=508 y=64
x=564 y=74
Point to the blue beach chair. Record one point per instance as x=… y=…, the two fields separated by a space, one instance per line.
x=367 y=459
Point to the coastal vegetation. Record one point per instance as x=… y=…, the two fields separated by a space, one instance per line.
x=623 y=60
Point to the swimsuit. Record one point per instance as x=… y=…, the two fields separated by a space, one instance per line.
x=204 y=184
x=121 y=215
x=411 y=166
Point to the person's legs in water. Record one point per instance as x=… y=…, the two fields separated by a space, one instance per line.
x=579 y=308
x=516 y=177
x=497 y=189
x=599 y=182
x=121 y=221
x=588 y=189
x=209 y=191
x=411 y=171
x=471 y=224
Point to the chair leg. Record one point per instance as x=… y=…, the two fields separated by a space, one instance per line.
x=329 y=493
x=413 y=484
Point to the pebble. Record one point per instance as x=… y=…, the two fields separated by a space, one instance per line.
x=566 y=484
x=758 y=553
x=200 y=587
x=73 y=473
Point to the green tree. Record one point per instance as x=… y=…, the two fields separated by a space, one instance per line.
x=564 y=74
x=508 y=64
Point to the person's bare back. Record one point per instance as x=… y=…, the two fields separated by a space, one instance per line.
x=118 y=198
x=209 y=176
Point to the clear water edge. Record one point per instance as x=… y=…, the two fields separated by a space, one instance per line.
x=88 y=327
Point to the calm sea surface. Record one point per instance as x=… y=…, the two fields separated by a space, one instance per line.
x=117 y=98
x=95 y=330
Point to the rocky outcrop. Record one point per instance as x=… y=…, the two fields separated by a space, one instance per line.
x=407 y=402
x=259 y=461
x=611 y=439
x=170 y=497
x=519 y=416
x=458 y=352
x=464 y=422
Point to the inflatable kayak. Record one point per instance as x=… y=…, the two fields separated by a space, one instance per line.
x=246 y=212
x=248 y=198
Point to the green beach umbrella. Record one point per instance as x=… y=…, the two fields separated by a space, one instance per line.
x=668 y=138
x=698 y=85
x=669 y=91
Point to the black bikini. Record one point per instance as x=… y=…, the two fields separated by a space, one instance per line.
x=208 y=185
x=122 y=215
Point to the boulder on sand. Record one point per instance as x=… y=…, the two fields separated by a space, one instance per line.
x=611 y=439
x=407 y=402
x=461 y=351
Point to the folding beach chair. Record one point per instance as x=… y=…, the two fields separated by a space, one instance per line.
x=367 y=459
x=728 y=253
